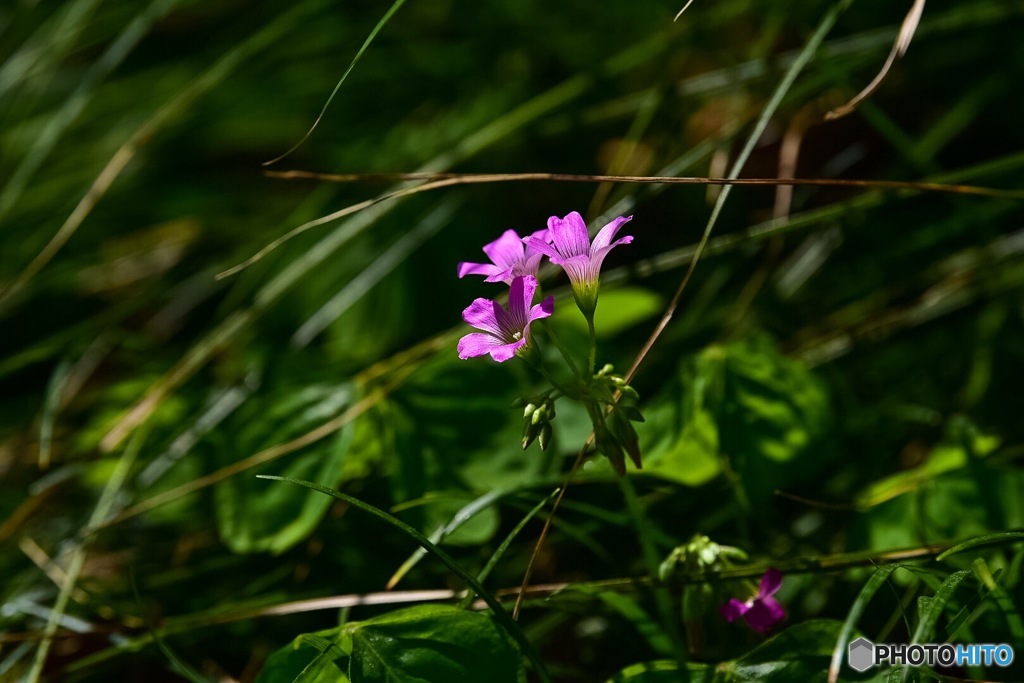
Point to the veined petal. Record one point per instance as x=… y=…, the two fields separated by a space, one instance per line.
x=569 y=235
x=733 y=609
x=476 y=344
x=544 y=248
x=505 y=275
x=483 y=314
x=520 y=296
x=542 y=310
x=506 y=250
x=607 y=233
x=597 y=258
x=528 y=267
x=487 y=269
x=505 y=351
x=579 y=270
x=770 y=583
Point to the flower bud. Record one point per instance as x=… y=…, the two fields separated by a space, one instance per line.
x=544 y=438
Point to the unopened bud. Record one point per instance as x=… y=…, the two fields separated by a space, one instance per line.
x=544 y=439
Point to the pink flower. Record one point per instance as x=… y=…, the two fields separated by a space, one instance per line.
x=506 y=332
x=762 y=611
x=509 y=258
x=581 y=259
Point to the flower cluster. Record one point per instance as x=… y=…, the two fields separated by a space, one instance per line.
x=505 y=329
x=515 y=261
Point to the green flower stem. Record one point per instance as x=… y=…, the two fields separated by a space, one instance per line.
x=593 y=344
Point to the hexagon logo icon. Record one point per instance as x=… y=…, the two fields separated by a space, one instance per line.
x=862 y=654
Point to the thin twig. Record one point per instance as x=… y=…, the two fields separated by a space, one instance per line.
x=450 y=179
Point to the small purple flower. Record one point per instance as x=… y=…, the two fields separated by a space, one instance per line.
x=505 y=332
x=760 y=612
x=509 y=258
x=581 y=259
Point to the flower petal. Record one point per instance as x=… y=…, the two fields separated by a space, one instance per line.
x=505 y=351
x=520 y=296
x=542 y=235
x=502 y=275
x=483 y=315
x=579 y=269
x=770 y=583
x=487 y=269
x=528 y=267
x=597 y=258
x=607 y=233
x=540 y=246
x=505 y=251
x=570 y=235
x=733 y=609
x=542 y=310
x=764 y=614
x=476 y=344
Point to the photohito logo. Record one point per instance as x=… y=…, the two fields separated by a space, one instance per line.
x=863 y=654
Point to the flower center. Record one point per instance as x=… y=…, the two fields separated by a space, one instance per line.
x=516 y=336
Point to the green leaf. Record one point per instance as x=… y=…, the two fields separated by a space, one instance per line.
x=688 y=456
x=985 y=496
x=254 y=519
x=433 y=643
x=876 y=581
x=767 y=413
x=952 y=454
x=660 y=671
x=987 y=539
x=422 y=643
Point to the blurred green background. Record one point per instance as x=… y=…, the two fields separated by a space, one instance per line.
x=843 y=373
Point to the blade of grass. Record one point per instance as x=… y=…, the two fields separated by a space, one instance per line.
x=465 y=514
x=355 y=60
x=876 y=581
x=103 y=507
x=44 y=44
x=1002 y=599
x=379 y=267
x=499 y=612
x=505 y=545
x=899 y=48
x=925 y=630
x=1000 y=538
x=51 y=133
x=142 y=135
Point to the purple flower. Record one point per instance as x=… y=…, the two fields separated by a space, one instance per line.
x=509 y=258
x=581 y=259
x=505 y=332
x=760 y=612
